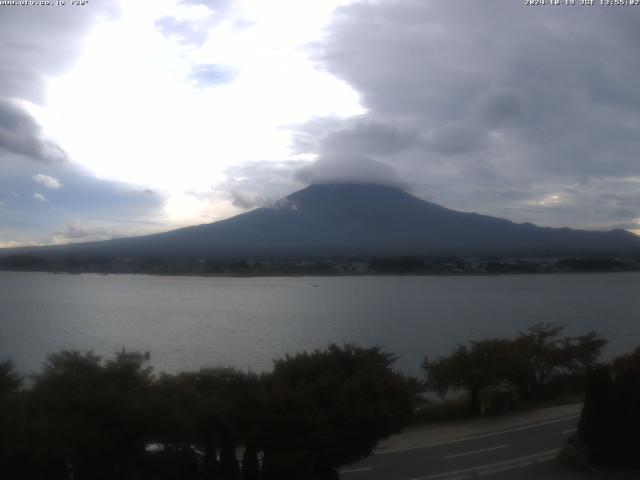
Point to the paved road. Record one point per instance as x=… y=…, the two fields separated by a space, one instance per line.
x=468 y=457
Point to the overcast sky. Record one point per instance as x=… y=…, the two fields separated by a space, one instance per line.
x=121 y=118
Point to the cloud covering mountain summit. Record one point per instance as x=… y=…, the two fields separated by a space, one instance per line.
x=352 y=220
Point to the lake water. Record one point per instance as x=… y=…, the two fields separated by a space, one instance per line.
x=188 y=322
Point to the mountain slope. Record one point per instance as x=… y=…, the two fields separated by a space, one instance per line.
x=355 y=219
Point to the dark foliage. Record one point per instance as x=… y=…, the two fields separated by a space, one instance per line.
x=341 y=402
x=89 y=416
x=482 y=364
x=611 y=416
x=10 y=383
x=591 y=264
x=397 y=265
x=84 y=418
x=24 y=262
x=529 y=363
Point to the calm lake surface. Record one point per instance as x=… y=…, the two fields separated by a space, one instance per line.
x=189 y=322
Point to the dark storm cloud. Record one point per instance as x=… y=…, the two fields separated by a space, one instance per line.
x=308 y=137
x=357 y=169
x=274 y=178
x=501 y=106
x=21 y=135
x=491 y=106
x=456 y=138
x=365 y=136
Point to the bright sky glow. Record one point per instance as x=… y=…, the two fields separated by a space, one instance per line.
x=549 y=200
x=130 y=111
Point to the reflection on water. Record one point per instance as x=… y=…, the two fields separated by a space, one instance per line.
x=187 y=322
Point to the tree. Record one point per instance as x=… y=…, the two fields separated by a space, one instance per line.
x=610 y=419
x=176 y=407
x=213 y=411
x=527 y=362
x=11 y=427
x=224 y=396
x=540 y=354
x=625 y=409
x=91 y=418
x=330 y=408
x=10 y=381
x=595 y=422
x=485 y=363
x=85 y=418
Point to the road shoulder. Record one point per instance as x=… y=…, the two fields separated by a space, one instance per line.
x=435 y=434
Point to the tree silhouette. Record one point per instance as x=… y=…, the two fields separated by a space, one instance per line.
x=625 y=409
x=176 y=407
x=595 y=422
x=11 y=431
x=485 y=363
x=213 y=411
x=91 y=417
x=527 y=362
x=540 y=353
x=330 y=408
x=10 y=381
x=85 y=418
x=610 y=418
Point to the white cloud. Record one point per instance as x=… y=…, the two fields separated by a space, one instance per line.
x=40 y=197
x=78 y=231
x=166 y=132
x=48 y=181
x=18 y=243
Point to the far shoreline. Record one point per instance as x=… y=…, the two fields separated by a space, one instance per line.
x=322 y=275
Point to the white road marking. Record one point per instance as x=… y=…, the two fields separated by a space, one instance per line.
x=571 y=430
x=355 y=470
x=488 y=465
x=476 y=437
x=489 y=449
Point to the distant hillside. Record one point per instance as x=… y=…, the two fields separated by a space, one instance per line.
x=335 y=220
